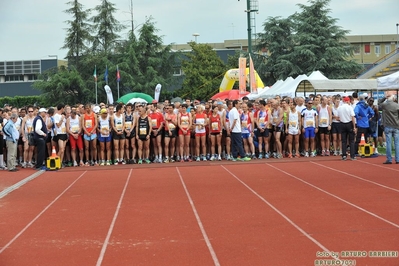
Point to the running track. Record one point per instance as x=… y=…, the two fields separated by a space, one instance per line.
x=268 y=212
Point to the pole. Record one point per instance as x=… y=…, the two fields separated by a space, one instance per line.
x=249 y=26
x=117 y=86
x=96 y=92
x=397 y=37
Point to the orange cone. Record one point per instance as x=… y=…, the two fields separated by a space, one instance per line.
x=53 y=152
x=362 y=140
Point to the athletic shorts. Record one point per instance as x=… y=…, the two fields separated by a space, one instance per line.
x=181 y=132
x=293 y=131
x=20 y=141
x=132 y=134
x=62 y=137
x=172 y=135
x=202 y=134
x=245 y=135
x=224 y=133
x=76 y=142
x=118 y=137
x=104 y=139
x=92 y=137
x=264 y=133
x=336 y=128
x=158 y=134
x=277 y=129
x=309 y=132
x=215 y=133
x=324 y=130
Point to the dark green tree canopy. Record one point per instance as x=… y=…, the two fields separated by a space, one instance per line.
x=307 y=41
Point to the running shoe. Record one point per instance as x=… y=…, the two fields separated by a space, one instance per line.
x=102 y=163
x=297 y=155
x=75 y=164
x=306 y=154
x=123 y=162
x=260 y=156
x=267 y=156
x=140 y=161
x=198 y=159
x=166 y=160
x=116 y=162
x=289 y=155
x=246 y=159
x=109 y=162
x=147 y=161
x=212 y=158
x=219 y=158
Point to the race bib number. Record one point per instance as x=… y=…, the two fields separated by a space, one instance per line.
x=119 y=127
x=323 y=121
x=104 y=131
x=172 y=126
x=143 y=131
x=128 y=125
x=30 y=129
x=215 y=126
x=63 y=129
x=244 y=124
x=262 y=122
x=309 y=123
x=75 y=129
x=293 y=124
x=88 y=123
x=154 y=123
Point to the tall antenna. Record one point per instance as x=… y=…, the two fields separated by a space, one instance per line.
x=131 y=14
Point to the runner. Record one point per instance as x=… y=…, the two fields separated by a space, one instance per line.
x=60 y=136
x=170 y=133
x=325 y=121
x=292 y=129
x=156 y=118
x=184 y=121
x=118 y=134
x=143 y=132
x=335 y=126
x=310 y=126
x=247 y=133
x=200 y=122
x=74 y=129
x=278 y=126
x=27 y=137
x=130 y=132
x=215 y=134
x=104 y=137
x=89 y=125
x=263 y=131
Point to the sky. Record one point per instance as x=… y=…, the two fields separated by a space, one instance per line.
x=36 y=29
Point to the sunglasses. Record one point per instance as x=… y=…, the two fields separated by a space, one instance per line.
x=30 y=111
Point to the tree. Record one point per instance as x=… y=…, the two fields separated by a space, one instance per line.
x=106 y=27
x=153 y=63
x=78 y=34
x=62 y=85
x=203 y=70
x=307 y=41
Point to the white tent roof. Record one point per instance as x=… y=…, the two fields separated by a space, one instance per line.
x=344 y=84
x=390 y=82
x=317 y=75
x=272 y=91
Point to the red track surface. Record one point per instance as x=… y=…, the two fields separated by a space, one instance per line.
x=259 y=213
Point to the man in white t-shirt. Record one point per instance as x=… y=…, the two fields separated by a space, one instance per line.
x=235 y=135
x=348 y=127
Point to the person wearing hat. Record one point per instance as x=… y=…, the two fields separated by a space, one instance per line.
x=363 y=113
x=348 y=128
x=310 y=126
x=40 y=135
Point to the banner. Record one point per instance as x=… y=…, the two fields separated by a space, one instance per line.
x=252 y=76
x=157 y=92
x=242 y=63
x=109 y=94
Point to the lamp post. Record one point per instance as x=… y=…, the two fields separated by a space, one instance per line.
x=195 y=36
x=397 y=37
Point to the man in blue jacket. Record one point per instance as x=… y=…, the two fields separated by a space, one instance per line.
x=363 y=113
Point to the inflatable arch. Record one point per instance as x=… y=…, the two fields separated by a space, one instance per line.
x=233 y=75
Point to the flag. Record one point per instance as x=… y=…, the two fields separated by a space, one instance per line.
x=243 y=77
x=157 y=92
x=118 y=74
x=108 y=91
x=95 y=73
x=106 y=74
x=252 y=77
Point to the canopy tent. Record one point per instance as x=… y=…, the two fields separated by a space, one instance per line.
x=337 y=85
x=390 y=82
x=253 y=96
x=271 y=92
x=125 y=98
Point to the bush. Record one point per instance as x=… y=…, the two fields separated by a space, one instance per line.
x=20 y=101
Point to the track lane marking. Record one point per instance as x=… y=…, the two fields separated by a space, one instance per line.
x=334 y=196
x=111 y=227
x=281 y=214
x=201 y=226
x=40 y=214
x=355 y=176
x=19 y=184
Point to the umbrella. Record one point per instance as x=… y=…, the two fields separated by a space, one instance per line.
x=137 y=100
x=125 y=98
x=231 y=95
x=176 y=99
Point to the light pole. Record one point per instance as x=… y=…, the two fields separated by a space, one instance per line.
x=195 y=36
x=397 y=37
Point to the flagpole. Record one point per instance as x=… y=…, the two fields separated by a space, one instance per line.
x=95 y=81
x=96 y=93
x=117 y=79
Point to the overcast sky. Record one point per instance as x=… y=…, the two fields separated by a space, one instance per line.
x=36 y=29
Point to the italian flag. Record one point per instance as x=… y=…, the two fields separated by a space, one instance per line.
x=95 y=74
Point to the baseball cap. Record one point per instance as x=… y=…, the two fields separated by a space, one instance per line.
x=346 y=99
x=42 y=110
x=103 y=111
x=154 y=101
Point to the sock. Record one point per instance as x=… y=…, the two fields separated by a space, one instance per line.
x=1 y=160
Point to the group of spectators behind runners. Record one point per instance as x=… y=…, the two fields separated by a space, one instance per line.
x=166 y=132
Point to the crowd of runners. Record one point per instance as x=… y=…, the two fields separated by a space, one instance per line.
x=165 y=132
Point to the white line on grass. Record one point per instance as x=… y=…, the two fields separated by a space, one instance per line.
x=40 y=214
x=280 y=213
x=341 y=199
x=111 y=227
x=207 y=241
x=355 y=176
x=9 y=189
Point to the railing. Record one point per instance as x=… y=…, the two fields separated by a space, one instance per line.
x=376 y=63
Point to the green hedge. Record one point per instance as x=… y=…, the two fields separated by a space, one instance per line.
x=20 y=101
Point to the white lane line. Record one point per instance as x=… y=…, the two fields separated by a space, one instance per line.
x=201 y=226
x=280 y=213
x=393 y=169
x=111 y=227
x=355 y=176
x=40 y=214
x=341 y=199
x=19 y=184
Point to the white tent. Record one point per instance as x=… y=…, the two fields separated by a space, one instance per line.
x=253 y=96
x=390 y=82
x=272 y=91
